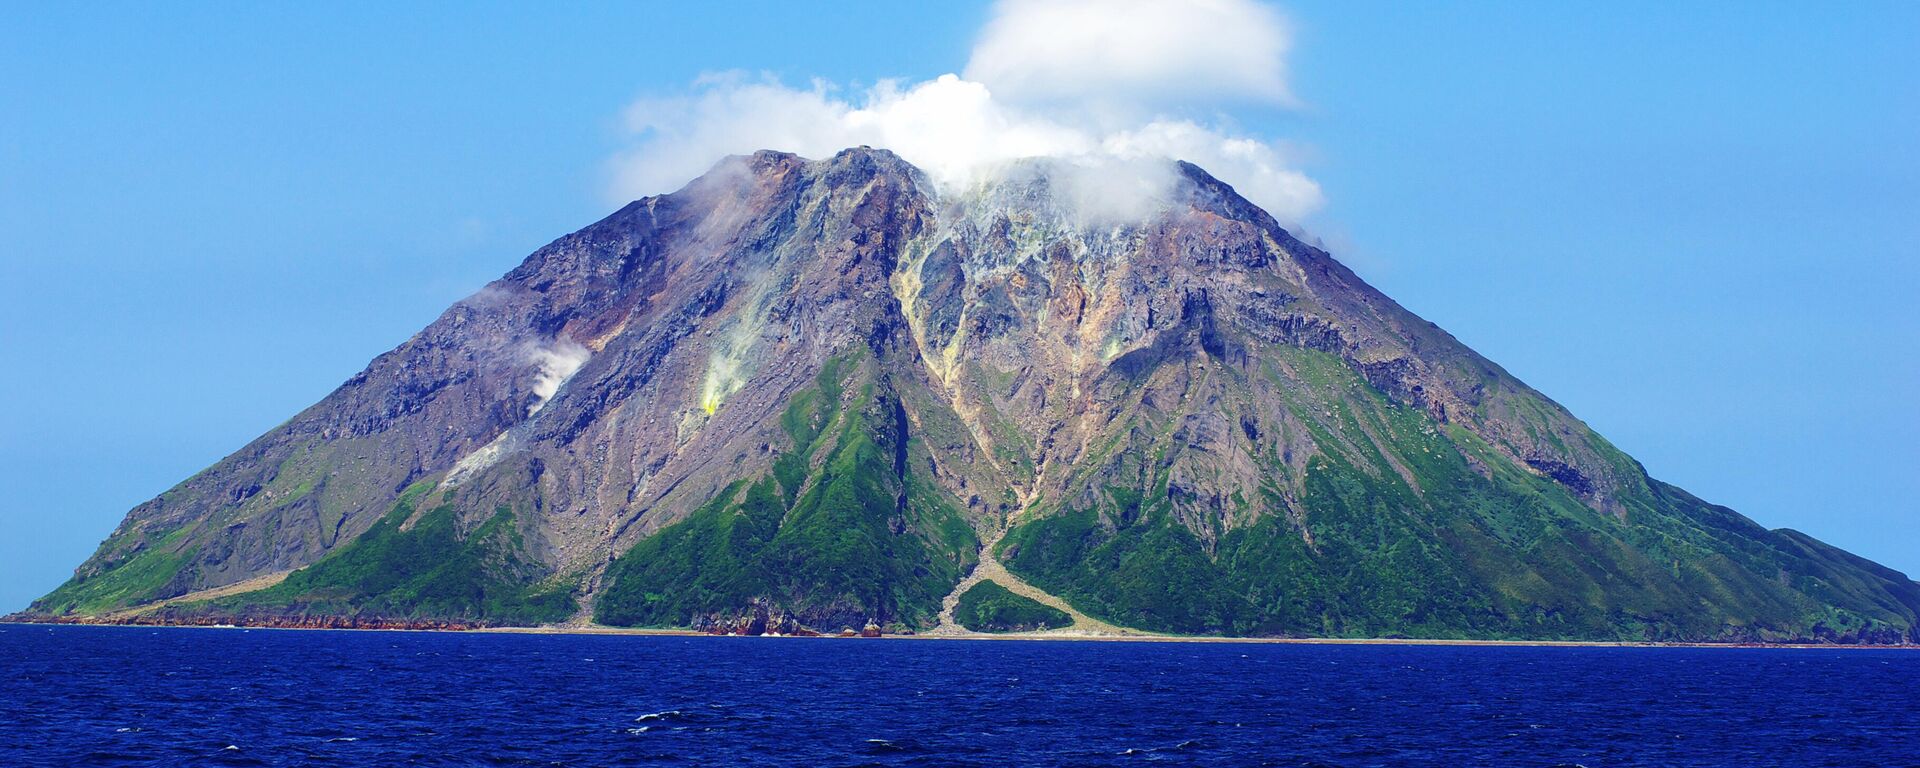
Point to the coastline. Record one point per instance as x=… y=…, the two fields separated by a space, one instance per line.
x=1068 y=636
x=1051 y=636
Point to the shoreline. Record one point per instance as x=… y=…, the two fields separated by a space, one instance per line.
x=1053 y=636
x=1062 y=636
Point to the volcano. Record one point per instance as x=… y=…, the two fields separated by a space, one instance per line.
x=814 y=395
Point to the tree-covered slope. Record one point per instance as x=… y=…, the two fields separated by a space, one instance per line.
x=413 y=565
x=989 y=607
x=1421 y=531
x=842 y=529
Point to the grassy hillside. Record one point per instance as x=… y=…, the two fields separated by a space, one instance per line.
x=411 y=568
x=1418 y=529
x=141 y=576
x=840 y=532
x=989 y=607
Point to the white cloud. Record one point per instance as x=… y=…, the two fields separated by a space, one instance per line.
x=554 y=364
x=1257 y=170
x=1128 y=54
x=954 y=127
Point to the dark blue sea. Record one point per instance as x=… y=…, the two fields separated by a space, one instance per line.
x=143 y=696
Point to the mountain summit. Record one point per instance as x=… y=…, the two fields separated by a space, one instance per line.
x=812 y=395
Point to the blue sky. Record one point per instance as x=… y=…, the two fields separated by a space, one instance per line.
x=1698 y=228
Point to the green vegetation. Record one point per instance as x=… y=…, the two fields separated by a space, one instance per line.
x=839 y=532
x=426 y=571
x=1404 y=538
x=989 y=607
x=1151 y=575
x=142 y=577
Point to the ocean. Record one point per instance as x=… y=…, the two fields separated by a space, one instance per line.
x=107 y=696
